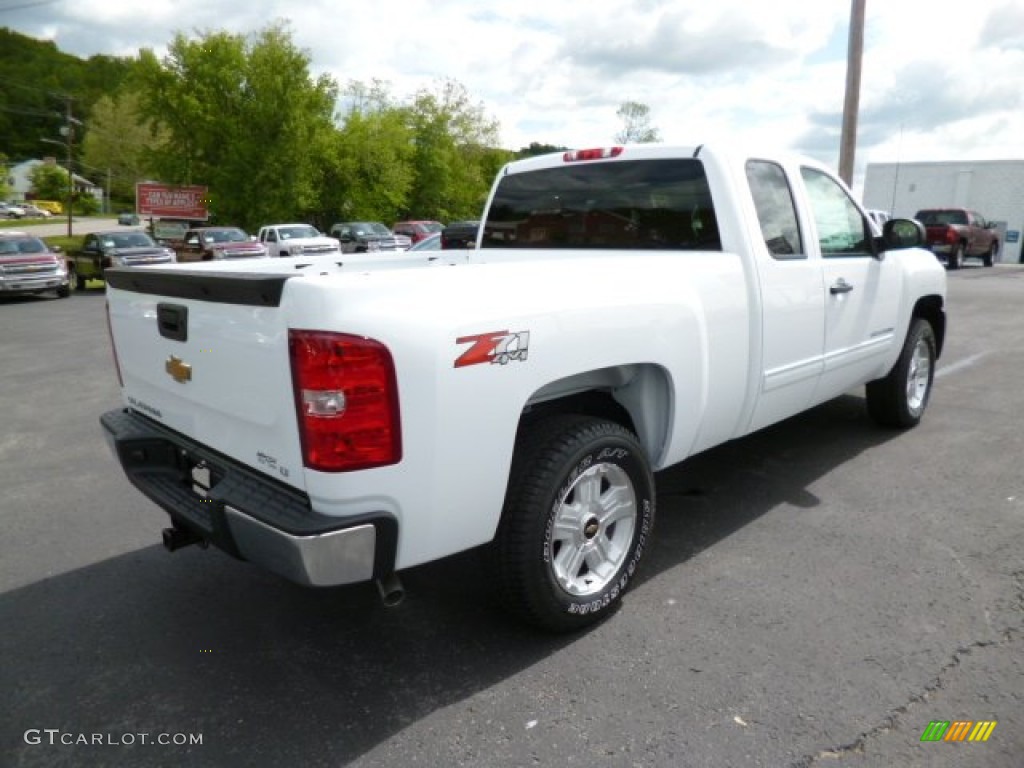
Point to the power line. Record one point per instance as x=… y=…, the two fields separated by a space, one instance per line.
x=22 y=6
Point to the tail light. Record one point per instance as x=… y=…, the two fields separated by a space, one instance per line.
x=951 y=236
x=346 y=398
x=113 y=347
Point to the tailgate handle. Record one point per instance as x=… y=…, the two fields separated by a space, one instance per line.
x=172 y=321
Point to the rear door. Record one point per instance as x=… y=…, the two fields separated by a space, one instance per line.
x=793 y=305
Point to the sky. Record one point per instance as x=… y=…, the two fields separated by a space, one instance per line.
x=942 y=80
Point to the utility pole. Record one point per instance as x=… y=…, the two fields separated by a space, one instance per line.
x=70 y=125
x=851 y=104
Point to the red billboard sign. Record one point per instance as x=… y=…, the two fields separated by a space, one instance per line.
x=171 y=202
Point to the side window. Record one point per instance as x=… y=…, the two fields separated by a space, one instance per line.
x=776 y=212
x=271 y=236
x=842 y=230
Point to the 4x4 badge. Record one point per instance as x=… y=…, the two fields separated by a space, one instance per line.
x=179 y=370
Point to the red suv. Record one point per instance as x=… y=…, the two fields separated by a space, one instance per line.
x=417 y=230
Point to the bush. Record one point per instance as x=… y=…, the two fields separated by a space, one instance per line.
x=86 y=206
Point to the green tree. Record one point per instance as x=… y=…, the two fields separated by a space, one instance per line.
x=243 y=117
x=39 y=84
x=456 y=154
x=367 y=168
x=119 y=142
x=5 y=189
x=636 y=128
x=536 y=149
x=49 y=182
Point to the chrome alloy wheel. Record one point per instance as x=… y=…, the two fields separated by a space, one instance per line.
x=593 y=529
x=919 y=375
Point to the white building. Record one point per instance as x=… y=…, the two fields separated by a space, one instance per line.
x=19 y=177
x=993 y=188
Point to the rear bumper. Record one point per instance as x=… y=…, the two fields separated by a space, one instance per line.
x=245 y=513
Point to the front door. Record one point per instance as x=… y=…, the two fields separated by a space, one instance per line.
x=861 y=291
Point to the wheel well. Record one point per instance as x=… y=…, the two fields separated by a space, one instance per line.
x=930 y=308
x=636 y=396
x=593 y=403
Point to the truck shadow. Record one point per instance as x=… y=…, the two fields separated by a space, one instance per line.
x=199 y=643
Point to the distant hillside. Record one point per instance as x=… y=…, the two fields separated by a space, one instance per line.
x=36 y=80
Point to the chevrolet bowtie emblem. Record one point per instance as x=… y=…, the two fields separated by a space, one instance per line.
x=179 y=370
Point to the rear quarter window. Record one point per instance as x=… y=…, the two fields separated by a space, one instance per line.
x=638 y=204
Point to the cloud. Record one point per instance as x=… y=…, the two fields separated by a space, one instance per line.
x=943 y=77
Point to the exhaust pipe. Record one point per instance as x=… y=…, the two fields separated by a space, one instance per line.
x=391 y=590
x=175 y=538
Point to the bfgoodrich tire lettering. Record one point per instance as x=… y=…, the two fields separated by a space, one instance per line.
x=900 y=398
x=578 y=514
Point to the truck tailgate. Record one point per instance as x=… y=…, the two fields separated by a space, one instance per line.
x=209 y=359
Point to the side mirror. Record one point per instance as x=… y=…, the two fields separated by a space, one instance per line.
x=56 y=249
x=903 y=233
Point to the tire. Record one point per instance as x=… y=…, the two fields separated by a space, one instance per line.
x=64 y=291
x=956 y=258
x=899 y=399
x=578 y=514
x=989 y=258
x=75 y=278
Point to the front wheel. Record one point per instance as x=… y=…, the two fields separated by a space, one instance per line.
x=956 y=257
x=578 y=514
x=900 y=398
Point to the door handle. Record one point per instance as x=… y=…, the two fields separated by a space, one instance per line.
x=840 y=286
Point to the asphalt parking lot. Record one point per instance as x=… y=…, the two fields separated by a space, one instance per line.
x=815 y=595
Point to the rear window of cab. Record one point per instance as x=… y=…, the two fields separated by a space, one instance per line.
x=662 y=204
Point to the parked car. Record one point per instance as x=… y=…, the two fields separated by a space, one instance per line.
x=115 y=248
x=28 y=265
x=417 y=230
x=127 y=218
x=431 y=242
x=11 y=211
x=214 y=243
x=368 y=236
x=460 y=234
x=52 y=206
x=296 y=240
x=956 y=233
x=34 y=211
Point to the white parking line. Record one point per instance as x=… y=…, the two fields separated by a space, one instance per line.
x=967 y=362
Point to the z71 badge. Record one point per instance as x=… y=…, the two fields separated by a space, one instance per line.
x=499 y=347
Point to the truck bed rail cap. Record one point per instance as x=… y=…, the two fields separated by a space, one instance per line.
x=258 y=290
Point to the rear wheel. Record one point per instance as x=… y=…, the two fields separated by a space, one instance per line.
x=900 y=398
x=578 y=513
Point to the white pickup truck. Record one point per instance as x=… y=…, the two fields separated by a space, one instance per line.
x=337 y=421
x=296 y=240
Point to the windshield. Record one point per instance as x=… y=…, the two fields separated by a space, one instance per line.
x=361 y=228
x=127 y=240
x=938 y=218
x=10 y=245
x=232 y=235
x=639 y=204
x=302 y=230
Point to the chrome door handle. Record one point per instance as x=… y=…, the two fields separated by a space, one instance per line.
x=840 y=286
